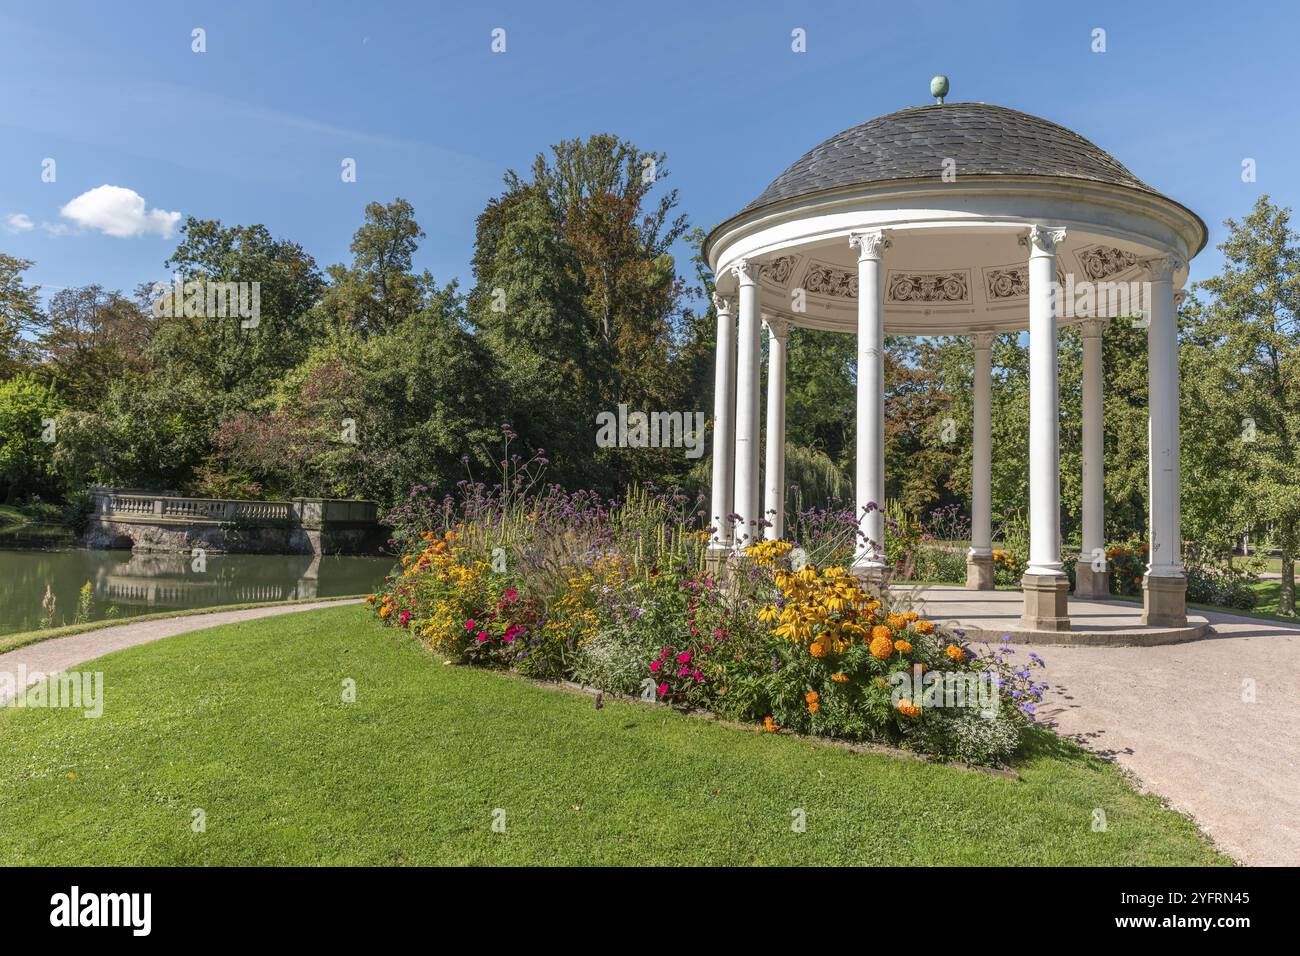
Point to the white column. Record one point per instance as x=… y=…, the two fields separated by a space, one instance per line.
x=1044 y=406
x=774 y=467
x=747 y=498
x=724 y=407
x=1093 y=550
x=981 y=492
x=1162 y=402
x=870 y=472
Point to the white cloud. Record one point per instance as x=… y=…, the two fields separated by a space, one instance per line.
x=19 y=222
x=119 y=211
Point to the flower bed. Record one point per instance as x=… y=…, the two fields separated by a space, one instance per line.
x=617 y=595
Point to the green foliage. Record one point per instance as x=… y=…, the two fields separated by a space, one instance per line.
x=26 y=438
x=20 y=313
x=233 y=361
x=1241 y=369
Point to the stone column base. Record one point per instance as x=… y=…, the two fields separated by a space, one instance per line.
x=1164 y=600
x=715 y=562
x=1045 y=602
x=872 y=575
x=1089 y=583
x=979 y=572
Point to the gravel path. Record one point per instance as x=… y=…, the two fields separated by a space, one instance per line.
x=1210 y=725
x=61 y=653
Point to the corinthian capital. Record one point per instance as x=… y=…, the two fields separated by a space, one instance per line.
x=870 y=243
x=721 y=304
x=1042 y=240
x=777 y=327
x=1092 y=328
x=1162 y=268
x=747 y=271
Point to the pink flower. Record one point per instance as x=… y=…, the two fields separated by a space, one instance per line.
x=663 y=690
x=406 y=616
x=684 y=657
x=698 y=676
x=655 y=665
x=469 y=625
x=512 y=595
x=683 y=672
x=482 y=636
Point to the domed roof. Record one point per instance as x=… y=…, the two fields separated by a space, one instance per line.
x=981 y=140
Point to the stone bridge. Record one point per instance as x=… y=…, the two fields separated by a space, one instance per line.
x=148 y=521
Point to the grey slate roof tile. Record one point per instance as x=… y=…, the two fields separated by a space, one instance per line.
x=983 y=140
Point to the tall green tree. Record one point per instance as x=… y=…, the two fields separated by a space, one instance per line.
x=236 y=360
x=20 y=313
x=1241 y=369
x=379 y=289
x=90 y=338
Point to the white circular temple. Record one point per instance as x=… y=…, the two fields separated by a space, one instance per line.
x=960 y=219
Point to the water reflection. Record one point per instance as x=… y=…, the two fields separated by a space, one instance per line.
x=141 y=583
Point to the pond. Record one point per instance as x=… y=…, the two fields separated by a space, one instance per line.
x=126 y=583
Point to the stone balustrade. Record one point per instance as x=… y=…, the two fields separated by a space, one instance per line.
x=150 y=521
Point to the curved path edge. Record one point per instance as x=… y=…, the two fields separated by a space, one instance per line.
x=32 y=661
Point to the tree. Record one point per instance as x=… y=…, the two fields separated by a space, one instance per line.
x=235 y=359
x=528 y=307
x=27 y=436
x=1241 y=367
x=91 y=338
x=20 y=313
x=372 y=417
x=379 y=289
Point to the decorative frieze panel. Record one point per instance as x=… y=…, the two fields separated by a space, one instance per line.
x=1102 y=262
x=1006 y=282
x=929 y=288
x=830 y=281
x=780 y=271
x=1002 y=283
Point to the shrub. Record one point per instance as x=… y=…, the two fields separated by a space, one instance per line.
x=1008 y=567
x=1127 y=563
x=1221 y=587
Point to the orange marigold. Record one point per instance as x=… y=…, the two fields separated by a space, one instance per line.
x=813 y=708
x=924 y=627
x=881 y=631
x=908 y=709
x=911 y=616
x=812 y=697
x=840 y=678
x=955 y=653
x=819 y=647
x=882 y=647
x=770 y=725
x=903 y=647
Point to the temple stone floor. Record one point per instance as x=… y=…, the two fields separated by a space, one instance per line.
x=989 y=615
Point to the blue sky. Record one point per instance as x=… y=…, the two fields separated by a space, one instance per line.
x=255 y=129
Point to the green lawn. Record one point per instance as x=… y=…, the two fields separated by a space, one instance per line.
x=247 y=722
